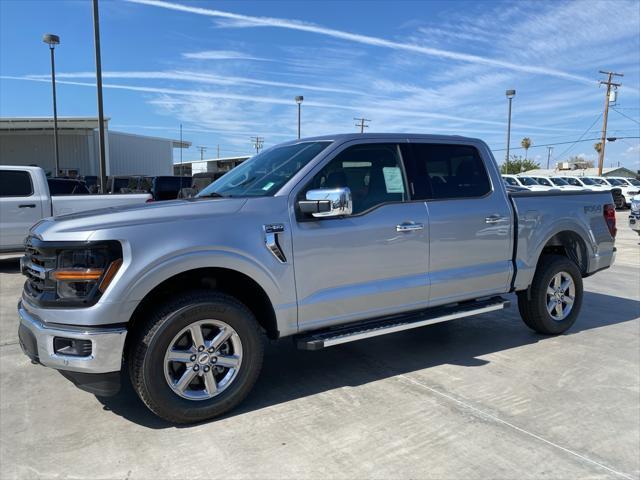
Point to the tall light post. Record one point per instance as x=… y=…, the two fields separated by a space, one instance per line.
x=53 y=40
x=299 y=99
x=510 y=94
x=102 y=166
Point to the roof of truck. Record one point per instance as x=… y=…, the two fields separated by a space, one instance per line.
x=394 y=136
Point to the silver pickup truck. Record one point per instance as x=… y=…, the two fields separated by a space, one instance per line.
x=326 y=240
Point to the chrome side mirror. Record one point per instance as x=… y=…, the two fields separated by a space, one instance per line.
x=327 y=202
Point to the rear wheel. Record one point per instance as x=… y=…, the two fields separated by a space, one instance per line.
x=553 y=301
x=196 y=357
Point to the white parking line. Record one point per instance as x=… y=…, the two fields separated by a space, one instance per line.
x=515 y=427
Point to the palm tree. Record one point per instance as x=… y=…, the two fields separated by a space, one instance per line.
x=598 y=147
x=526 y=144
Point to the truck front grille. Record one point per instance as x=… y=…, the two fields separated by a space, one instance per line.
x=35 y=265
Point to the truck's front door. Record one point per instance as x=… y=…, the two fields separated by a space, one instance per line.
x=371 y=263
x=470 y=241
x=20 y=207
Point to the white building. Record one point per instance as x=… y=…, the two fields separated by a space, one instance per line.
x=29 y=141
x=212 y=165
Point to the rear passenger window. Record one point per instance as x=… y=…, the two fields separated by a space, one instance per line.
x=372 y=173
x=15 y=183
x=446 y=171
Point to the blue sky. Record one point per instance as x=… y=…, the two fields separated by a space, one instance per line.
x=230 y=70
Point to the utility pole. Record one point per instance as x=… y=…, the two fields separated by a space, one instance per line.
x=299 y=99
x=181 y=170
x=361 y=123
x=257 y=143
x=218 y=148
x=202 y=150
x=603 y=140
x=52 y=41
x=549 y=150
x=102 y=170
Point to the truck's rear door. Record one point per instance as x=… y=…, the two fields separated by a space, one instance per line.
x=470 y=221
x=20 y=207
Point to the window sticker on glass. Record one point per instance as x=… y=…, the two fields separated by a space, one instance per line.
x=393 y=179
x=268 y=186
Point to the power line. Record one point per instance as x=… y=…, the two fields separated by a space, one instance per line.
x=611 y=139
x=579 y=139
x=626 y=116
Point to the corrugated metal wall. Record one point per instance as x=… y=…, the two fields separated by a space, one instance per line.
x=36 y=148
x=126 y=154
x=136 y=155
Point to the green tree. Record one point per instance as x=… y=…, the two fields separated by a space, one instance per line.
x=517 y=164
x=526 y=144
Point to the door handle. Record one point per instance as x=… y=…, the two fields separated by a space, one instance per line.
x=27 y=205
x=409 y=227
x=495 y=219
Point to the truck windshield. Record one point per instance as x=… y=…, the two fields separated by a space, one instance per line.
x=599 y=181
x=558 y=181
x=588 y=181
x=634 y=182
x=615 y=182
x=264 y=174
x=527 y=181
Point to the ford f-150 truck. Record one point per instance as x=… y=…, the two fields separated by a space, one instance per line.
x=325 y=240
x=25 y=199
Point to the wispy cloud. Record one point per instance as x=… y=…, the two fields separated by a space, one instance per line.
x=198 y=77
x=222 y=55
x=252 y=21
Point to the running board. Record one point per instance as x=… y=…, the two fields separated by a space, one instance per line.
x=397 y=323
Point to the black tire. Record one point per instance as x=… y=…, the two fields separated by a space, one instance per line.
x=532 y=304
x=151 y=340
x=621 y=202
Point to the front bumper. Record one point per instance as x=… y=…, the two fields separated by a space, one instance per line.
x=36 y=339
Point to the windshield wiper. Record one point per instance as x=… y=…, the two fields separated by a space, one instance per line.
x=212 y=195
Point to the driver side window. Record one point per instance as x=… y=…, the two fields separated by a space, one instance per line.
x=372 y=172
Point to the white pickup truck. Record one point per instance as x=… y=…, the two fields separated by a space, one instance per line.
x=25 y=199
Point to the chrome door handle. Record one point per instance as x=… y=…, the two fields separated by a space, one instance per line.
x=495 y=219
x=409 y=227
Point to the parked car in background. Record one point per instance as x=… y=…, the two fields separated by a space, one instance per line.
x=67 y=186
x=199 y=181
x=25 y=199
x=626 y=190
x=559 y=184
x=325 y=240
x=584 y=182
x=631 y=182
x=634 y=215
x=129 y=184
x=526 y=182
x=168 y=187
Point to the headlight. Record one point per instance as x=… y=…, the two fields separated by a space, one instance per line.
x=69 y=273
x=81 y=272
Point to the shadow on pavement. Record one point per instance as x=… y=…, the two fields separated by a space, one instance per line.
x=10 y=265
x=289 y=374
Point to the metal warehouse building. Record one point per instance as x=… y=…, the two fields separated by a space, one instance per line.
x=29 y=141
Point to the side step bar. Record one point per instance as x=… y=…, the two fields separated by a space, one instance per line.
x=381 y=326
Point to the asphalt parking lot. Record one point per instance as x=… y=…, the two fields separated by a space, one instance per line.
x=474 y=398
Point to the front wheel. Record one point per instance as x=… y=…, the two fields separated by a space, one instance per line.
x=553 y=301
x=196 y=357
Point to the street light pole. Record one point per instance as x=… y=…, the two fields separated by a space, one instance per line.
x=52 y=41
x=299 y=99
x=102 y=170
x=510 y=94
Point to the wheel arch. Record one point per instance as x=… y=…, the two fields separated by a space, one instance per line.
x=232 y=282
x=570 y=244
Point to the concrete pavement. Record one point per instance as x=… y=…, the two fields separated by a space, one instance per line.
x=474 y=398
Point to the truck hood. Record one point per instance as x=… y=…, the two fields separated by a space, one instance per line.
x=81 y=226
